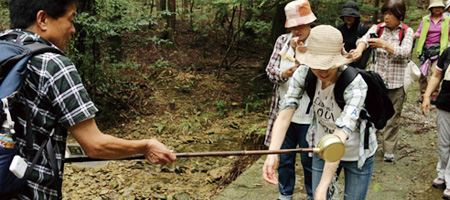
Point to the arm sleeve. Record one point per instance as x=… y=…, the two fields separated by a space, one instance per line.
x=366 y=36
x=403 y=50
x=273 y=67
x=66 y=92
x=296 y=88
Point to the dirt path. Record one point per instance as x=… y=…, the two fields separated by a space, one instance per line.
x=408 y=177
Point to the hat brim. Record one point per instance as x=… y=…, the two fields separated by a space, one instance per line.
x=322 y=61
x=349 y=12
x=300 y=21
x=436 y=5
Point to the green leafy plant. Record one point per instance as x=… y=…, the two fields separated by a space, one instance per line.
x=221 y=107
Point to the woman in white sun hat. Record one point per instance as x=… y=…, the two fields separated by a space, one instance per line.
x=447 y=6
x=282 y=65
x=325 y=56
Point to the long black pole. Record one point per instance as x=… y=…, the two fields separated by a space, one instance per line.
x=199 y=154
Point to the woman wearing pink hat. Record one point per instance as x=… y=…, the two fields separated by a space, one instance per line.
x=324 y=56
x=279 y=70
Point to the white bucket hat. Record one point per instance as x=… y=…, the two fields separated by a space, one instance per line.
x=447 y=4
x=324 y=50
x=298 y=13
x=436 y=3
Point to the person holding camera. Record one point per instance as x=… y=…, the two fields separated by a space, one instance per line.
x=392 y=42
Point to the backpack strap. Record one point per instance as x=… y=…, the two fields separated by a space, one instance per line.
x=346 y=77
x=401 y=34
x=360 y=30
x=39 y=48
x=380 y=30
x=310 y=85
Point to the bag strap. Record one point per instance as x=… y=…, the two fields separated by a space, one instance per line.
x=37 y=48
x=401 y=34
x=310 y=85
x=346 y=77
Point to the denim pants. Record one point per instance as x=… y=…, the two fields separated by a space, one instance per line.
x=357 y=180
x=295 y=135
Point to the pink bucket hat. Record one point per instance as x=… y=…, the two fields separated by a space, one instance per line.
x=298 y=13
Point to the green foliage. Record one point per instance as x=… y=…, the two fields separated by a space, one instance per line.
x=189 y=126
x=185 y=86
x=4 y=19
x=256 y=129
x=160 y=126
x=161 y=63
x=221 y=107
x=97 y=48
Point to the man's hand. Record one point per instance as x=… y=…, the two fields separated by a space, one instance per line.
x=157 y=153
x=270 y=165
x=289 y=72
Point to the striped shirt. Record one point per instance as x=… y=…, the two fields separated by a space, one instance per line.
x=57 y=98
x=391 y=67
x=348 y=121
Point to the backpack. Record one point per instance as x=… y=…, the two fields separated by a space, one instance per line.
x=378 y=108
x=13 y=71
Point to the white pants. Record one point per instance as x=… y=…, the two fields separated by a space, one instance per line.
x=443 y=127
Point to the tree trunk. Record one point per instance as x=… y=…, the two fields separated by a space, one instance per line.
x=277 y=28
x=375 y=14
x=171 y=19
x=160 y=5
x=278 y=22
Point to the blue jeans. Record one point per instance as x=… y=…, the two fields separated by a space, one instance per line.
x=295 y=135
x=356 y=180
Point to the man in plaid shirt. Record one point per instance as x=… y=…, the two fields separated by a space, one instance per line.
x=58 y=100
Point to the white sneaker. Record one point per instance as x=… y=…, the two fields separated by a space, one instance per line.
x=438 y=183
x=389 y=157
x=446 y=194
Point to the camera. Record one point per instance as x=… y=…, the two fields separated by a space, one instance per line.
x=373 y=35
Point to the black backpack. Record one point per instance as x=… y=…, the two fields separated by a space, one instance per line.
x=378 y=107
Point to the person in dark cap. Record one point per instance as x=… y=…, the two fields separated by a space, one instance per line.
x=352 y=29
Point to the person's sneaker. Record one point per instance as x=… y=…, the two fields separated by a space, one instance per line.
x=446 y=194
x=438 y=183
x=388 y=157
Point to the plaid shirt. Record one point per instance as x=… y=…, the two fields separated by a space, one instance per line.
x=391 y=67
x=57 y=97
x=274 y=73
x=349 y=121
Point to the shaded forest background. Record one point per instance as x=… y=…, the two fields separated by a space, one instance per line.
x=126 y=49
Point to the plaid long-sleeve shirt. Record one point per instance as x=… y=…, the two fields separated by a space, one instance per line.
x=57 y=98
x=391 y=67
x=274 y=73
x=348 y=121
